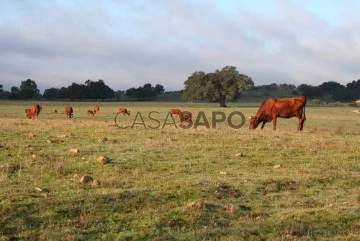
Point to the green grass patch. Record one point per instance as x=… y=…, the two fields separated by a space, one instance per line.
x=177 y=184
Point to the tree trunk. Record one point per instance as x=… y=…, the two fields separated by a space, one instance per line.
x=222 y=101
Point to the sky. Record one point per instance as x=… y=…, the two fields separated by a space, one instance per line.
x=131 y=43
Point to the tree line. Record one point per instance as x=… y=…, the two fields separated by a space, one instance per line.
x=219 y=86
x=90 y=90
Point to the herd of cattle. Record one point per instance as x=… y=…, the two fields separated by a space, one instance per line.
x=269 y=111
x=35 y=110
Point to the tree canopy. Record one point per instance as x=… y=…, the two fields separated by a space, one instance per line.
x=331 y=90
x=28 y=90
x=146 y=92
x=221 y=86
x=92 y=90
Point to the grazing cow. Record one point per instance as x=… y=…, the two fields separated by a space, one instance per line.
x=29 y=114
x=123 y=110
x=69 y=111
x=36 y=109
x=272 y=108
x=33 y=111
x=185 y=117
x=96 y=109
x=175 y=112
x=90 y=112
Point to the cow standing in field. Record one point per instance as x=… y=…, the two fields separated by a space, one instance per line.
x=123 y=110
x=185 y=117
x=69 y=111
x=90 y=112
x=96 y=109
x=33 y=111
x=175 y=112
x=273 y=108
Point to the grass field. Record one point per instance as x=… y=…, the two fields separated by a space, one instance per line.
x=177 y=184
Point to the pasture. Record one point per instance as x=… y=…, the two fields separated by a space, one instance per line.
x=171 y=183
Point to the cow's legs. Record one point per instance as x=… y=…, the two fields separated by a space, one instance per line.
x=274 y=123
x=301 y=123
x=263 y=124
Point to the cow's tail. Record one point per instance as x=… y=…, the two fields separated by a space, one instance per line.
x=303 y=112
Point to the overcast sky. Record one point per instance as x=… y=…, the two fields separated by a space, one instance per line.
x=128 y=43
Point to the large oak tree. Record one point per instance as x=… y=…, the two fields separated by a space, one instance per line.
x=221 y=86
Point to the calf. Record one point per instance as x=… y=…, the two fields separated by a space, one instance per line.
x=175 y=112
x=123 y=110
x=90 y=112
x=96 y=109
x=185 y=117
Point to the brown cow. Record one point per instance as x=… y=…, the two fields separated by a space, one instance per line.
x=185 y=117
x=123 y=110
x=96 y=109
x=69 y=111
x=90 y=112
x=29 y=114
x=34 y=111
x=175 y=111
x=272 y=108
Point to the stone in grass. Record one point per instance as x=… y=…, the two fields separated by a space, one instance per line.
x=41 y=189
x=298 y=171
x=239 y=154
x=74 y=150
x=95 y=182
x=103 y=139
x=277 y=166
x=86 y=179
x=103 y=159
x=194 y=204
x=51 y=141
x=30 y=134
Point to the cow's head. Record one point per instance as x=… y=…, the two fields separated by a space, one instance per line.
x=254 y=122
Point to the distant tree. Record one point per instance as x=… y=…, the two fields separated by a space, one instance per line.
x=330 y=87
x=6 y=94
x=220 y=86
x=98 y=90
x=286 y=87
x=51 y=94
x=28 y=89
x=194 y=87
x=354 y=85
x=309 y=91
x=354 y=89
x=1 y=91
x=342 y=95
x=63 y=93
x=159 y=89
x=119 y=95
x=76 y=91
x=132 y=92
x=14 y=93
x=145 y=92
